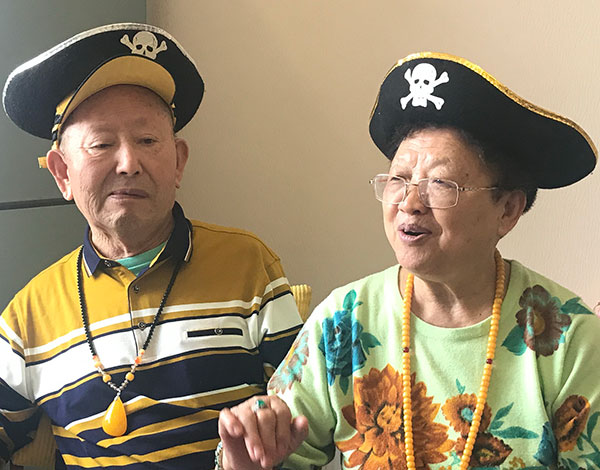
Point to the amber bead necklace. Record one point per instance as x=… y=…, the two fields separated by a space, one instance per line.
x=485 y=379
x=115 y=418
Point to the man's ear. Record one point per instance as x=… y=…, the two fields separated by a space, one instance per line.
x=513 y=203
x=57 y=165
x=183 y=151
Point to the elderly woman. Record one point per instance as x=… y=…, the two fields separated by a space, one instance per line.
x=455 y=357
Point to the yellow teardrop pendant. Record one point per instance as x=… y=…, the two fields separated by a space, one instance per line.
x=115 y=418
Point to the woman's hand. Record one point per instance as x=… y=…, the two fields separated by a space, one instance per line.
x=259 y=433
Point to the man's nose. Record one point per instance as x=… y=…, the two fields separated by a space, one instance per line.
x=128 y=160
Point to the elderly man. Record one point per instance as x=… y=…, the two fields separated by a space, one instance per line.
x=132 y=343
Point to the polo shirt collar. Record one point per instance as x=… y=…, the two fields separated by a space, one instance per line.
x=178 y=246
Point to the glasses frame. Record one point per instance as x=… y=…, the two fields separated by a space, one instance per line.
x=459 y=189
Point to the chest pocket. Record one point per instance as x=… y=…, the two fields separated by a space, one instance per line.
x=215 y=332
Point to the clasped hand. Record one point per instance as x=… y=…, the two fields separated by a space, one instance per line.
x=259 y=433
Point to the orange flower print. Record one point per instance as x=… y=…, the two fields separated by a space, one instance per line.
x=488 y=451
x=542 y=321
x=377 y=417
x=459 y=411
x=570 y=420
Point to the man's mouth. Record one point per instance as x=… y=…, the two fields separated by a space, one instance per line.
x=132 y=193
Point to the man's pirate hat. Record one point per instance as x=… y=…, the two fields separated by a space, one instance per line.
x=40 y=94
x=442 y=89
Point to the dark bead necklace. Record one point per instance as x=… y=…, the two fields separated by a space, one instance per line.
x=115 y=419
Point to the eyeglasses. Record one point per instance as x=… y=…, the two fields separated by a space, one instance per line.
x=435 y=193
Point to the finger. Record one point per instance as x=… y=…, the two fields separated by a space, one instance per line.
x=235 y=452
x=299 y=432
x=266 y=420
x=252 y=437
x=229 y=425
x=283 y=425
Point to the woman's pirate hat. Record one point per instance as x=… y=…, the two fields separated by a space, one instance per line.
x=40 y=94
x=442 y=89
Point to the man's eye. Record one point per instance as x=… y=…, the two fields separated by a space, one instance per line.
x=148 y=140
x=99 y=146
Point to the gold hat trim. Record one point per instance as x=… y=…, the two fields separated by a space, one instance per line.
x=124 y=70
x=503 y=88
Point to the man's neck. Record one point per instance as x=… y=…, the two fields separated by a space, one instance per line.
x=127 y=243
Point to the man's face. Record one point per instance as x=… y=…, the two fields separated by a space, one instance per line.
x=121 y=160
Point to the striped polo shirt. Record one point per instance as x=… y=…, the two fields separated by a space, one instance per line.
x=229 y=320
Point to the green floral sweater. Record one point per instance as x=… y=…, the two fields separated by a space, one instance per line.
x=343 y=373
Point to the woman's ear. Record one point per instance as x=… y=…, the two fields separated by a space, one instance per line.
x=513 y=203
x=59 y=169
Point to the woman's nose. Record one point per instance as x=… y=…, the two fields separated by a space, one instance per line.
x=412 y=201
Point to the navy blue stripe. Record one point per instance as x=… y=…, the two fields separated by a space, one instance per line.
x=218 y=372
x=18 y=353
x=11 y=400
x=294 y=330
x=275 y=297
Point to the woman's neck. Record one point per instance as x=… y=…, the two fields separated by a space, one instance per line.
x=457 y=302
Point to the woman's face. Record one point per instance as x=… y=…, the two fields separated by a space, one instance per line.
x=432 y=243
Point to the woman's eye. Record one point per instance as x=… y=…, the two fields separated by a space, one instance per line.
x=440 y=183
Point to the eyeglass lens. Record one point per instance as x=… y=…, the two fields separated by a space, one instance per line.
x=433 y=192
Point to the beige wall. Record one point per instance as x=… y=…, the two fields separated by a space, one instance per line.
x=281 y=147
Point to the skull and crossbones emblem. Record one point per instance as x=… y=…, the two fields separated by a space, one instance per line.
x=423 y=80
x=144 y=43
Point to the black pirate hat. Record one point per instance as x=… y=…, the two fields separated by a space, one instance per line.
x=40 y=94
x=442 y=89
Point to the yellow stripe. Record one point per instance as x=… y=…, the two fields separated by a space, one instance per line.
x=503 y=88
x=18 y=416
x=283 y=335
x=163 y=426
x=157 y=456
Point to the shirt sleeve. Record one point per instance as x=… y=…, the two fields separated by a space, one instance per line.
x=19 y=417
x=279 y=319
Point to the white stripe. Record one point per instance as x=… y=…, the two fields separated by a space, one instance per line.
x=10 y=332
x=169 y=340
x=125 y=317
x=12 y=370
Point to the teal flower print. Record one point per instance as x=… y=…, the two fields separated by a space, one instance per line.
x=547 y=453
x=345 y=343
x=542 y=322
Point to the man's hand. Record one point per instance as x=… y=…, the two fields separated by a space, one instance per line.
x=259 y=433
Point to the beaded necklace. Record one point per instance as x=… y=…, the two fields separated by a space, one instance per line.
x=115 y=418
x=485 y=379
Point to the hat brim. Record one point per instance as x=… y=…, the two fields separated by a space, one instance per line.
x=555 y=150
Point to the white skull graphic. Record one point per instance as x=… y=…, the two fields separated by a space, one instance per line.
x=144 y=43
x=422 y=82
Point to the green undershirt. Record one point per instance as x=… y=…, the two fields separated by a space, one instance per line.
x=136 y=264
